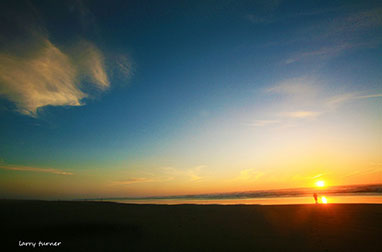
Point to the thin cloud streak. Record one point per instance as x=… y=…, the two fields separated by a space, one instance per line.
x=262 y=123
x=34 y=169
x=336 y=101
x=249 y=174
x=165 y=174
x=90 y=63
x=302 y=114
x=306 y=90
x=256 y=19
x=194 y=173
x=338 y=35
x=132 y=181
x=319 y=175
x=369 y=96
x=364 y=171
x=136 y=180
x=321 y=53
x=299 y=86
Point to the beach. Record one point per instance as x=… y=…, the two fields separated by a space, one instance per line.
x=106 y=226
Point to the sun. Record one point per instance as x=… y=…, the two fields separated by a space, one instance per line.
x=320 y=183
x=324 y=200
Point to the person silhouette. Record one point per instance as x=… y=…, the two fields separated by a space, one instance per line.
x=315 y=197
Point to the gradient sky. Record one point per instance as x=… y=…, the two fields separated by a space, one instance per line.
x=139 y=98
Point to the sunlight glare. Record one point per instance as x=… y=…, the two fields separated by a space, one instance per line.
x=320 y=183
x=324 y=200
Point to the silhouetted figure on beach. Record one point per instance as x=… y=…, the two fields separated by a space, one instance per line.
x=315 y=197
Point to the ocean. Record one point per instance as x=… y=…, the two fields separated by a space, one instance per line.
x=337 y=194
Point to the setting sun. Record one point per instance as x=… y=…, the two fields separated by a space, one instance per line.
x=320 y=183
x=324 y=200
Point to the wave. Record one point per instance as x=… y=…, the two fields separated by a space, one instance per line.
x=375 y=189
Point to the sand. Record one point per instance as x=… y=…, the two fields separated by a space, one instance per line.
x=103 y=226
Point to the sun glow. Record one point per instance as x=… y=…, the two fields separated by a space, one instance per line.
x=320 y=183
x=324 y=200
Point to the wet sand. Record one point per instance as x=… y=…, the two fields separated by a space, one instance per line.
x=103 y=226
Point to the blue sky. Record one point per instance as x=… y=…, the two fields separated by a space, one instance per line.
x=134 y=90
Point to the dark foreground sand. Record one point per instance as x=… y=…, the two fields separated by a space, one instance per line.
x=96 y=226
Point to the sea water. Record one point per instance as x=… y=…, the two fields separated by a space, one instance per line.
x=372 y=198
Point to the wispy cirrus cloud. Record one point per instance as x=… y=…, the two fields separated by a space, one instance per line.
x=368 y=96
x=340 y=34
x=309 y=177
x=262 y=123
x=355 y=22
x=324 y=52
x=38 y=72
x=194 y=173
x=375 y=169
x=338 y=100
x=257 y=19
x=303 y=86
x=307 y=99
x=164 y=174
x=132 y=181
x=84 y=14
x=319 y=175
x=301 y=114
x=264 y=13
x=49 y=76
x=34 y=169
x=249 y=174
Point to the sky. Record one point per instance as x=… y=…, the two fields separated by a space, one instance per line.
x=149 y=98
